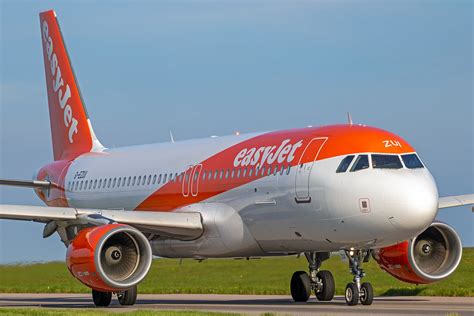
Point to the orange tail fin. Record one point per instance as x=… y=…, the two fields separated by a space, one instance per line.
x=71 y=130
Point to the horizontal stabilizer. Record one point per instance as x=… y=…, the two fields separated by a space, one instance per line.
x=26 y=183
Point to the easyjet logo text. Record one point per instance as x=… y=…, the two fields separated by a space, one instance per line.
x=60 y=89
x=267 y=154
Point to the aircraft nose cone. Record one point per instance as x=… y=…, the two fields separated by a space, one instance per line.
x=412 y=202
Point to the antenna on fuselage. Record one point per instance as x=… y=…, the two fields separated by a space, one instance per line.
x=171 y=136
x=349 y=118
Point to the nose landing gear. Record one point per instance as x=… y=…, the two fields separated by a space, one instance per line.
x=319 y=282
x=356 y=291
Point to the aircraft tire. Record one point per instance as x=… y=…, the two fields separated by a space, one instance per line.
x=300 y=286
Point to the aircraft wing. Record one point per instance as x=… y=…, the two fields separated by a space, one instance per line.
x=178 y=225
x=456 y=200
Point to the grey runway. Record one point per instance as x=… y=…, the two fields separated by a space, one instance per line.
x=254 y=304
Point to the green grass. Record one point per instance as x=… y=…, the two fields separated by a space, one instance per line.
x=77 y=312
x=229 y=276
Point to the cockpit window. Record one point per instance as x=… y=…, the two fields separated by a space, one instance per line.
x=345 y=163
x=386 y=162
x=412 y=161
x=362 y=162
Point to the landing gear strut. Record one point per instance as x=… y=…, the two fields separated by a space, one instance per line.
x=356 y=291
x=319 y=282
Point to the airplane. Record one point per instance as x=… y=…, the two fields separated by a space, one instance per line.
x=347 y=188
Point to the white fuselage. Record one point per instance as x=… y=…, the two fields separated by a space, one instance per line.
x=262 y=216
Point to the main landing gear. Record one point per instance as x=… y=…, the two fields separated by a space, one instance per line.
x=319 y=282
x=103 y=299
x=356 y=291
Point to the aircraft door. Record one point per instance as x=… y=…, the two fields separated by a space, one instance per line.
x=187 y=181
x=303 y=170
x=195 y=180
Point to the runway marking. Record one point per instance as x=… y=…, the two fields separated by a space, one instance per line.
x=253 y=304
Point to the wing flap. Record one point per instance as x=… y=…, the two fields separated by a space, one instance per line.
x=36 y=213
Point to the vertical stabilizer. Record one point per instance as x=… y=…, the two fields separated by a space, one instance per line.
x=71 y=129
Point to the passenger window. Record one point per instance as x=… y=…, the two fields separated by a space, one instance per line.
x=175 y=176
x=288 y=170
x=164 y=178
x=139 y=180
x=275 y=171
x=113 y=183
x=269 y=170
x=204 y=175
x=250 y=172
x=345 y=163
x=95 y=183
x=282 y=170
x=238 y=173
x=221 y=174
x=159 y=179
x=143 y=180
x=196 y=175
x=100 y=184
x=227 y=174
x=412 y=161
x=209 y=177
x=386 y=162
x=76 y=185
x=244 y=172
x=85 y=185
x=362 y=162
x=149 y=180
x=119 y=181
x=263 y=170
x=232 y=174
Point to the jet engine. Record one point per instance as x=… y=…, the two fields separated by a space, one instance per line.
x=109 y=258
x=429 y=257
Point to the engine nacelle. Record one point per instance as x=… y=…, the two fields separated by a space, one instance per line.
x=429 y=257
x=110 y=258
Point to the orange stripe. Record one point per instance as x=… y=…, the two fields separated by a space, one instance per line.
x=342 y=140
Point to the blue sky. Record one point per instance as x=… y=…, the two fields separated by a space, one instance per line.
x=206 y=68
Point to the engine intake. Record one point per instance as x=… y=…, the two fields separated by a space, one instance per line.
x=429 y=257
x=110 y=257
